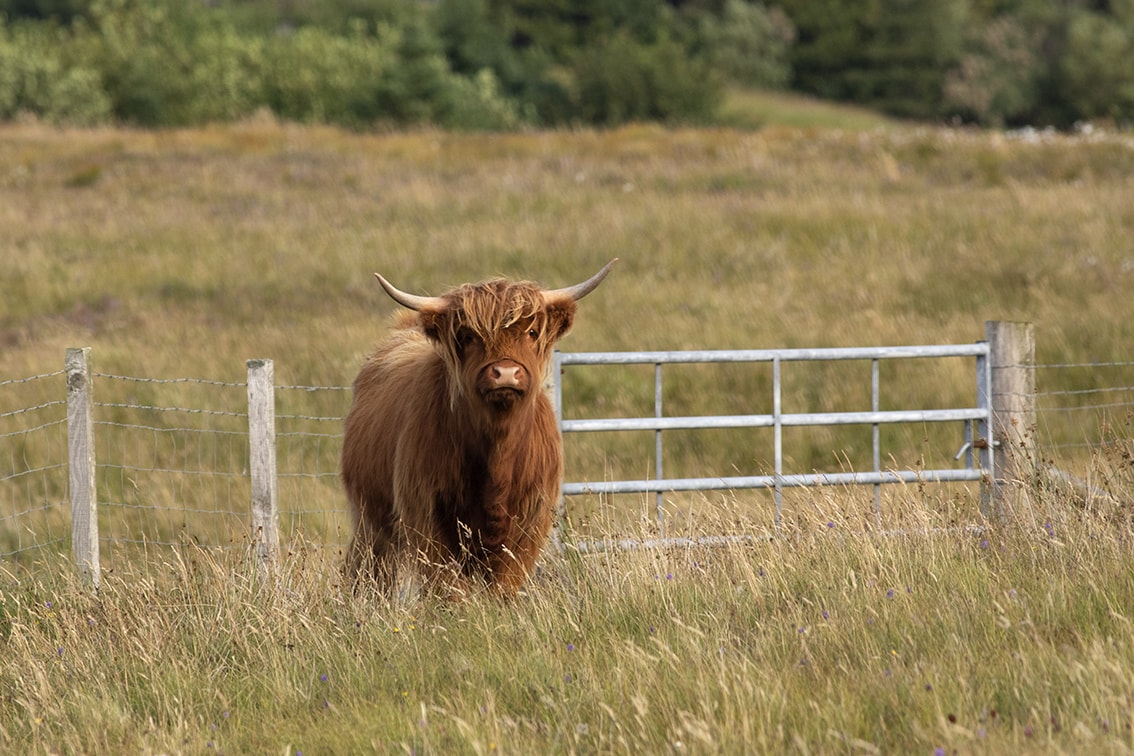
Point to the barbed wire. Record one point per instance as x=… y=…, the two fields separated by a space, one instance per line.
x=155 y=429
x=171 y=471
x=29 y=379
x=313 y=388
x=153 y=408
x=35 y=408
x=1082 y=392
x=1053 y=365
x=304 y=434
x=168 y=508
x=32 y=471
x=28 y=511
x=32 y=429
x=201 y=381
x=311 y=418
x=1084 y=407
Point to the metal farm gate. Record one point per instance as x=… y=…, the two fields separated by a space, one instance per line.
x=977 y=448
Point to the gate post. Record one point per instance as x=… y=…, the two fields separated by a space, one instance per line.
x=1012 y=351
x=262 y=458
x=81 y=464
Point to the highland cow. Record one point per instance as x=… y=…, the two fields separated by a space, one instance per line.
x=452 y=459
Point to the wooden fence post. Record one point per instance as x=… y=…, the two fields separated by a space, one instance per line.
x=262 y=458
x=81 y=464
x=1012 y=350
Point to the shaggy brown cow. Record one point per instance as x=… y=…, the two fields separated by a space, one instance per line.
x=452 y=459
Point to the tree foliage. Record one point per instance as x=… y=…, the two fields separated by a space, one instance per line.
x=500 y=64
x=888 y=54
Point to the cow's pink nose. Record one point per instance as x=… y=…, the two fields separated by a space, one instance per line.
x=507 y=376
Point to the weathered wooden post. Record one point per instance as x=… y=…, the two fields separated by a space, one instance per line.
x=262 y=458
x=1012 y=350
x=81 y=464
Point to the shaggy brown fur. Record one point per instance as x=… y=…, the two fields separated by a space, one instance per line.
x=451 y=458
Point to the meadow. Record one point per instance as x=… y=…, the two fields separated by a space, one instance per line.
x=183 y=253
x=827 y=640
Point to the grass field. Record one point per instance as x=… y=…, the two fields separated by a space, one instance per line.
x=181 y=254
x=830 y=640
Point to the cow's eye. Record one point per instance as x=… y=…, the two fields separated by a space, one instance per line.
x=533 y=334
x=465 y=337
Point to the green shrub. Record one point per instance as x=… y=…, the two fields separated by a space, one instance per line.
x=997 y=80
x=625 y=80
x=1096 y=72
x=11 y=84
x=748 y=43
x=171 y=63
x=313 y=75
x=75 y=97
x=36 y=79
x=888 y=54
x=416 y=89
x=477 y=104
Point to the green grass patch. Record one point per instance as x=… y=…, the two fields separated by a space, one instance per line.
x=754 y=109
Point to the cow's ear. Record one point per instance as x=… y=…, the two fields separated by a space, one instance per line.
x=434 y=323
x=560 y=317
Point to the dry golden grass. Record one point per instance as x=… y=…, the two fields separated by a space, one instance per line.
x=830 y=638
x=184 y=253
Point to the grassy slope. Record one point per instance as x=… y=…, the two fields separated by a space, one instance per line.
x=751 y=109
x=185 y=253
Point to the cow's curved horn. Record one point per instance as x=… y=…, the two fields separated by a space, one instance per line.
x=578 y=291
x=412 y=301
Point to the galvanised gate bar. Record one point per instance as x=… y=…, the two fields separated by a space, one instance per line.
x=978 y=420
